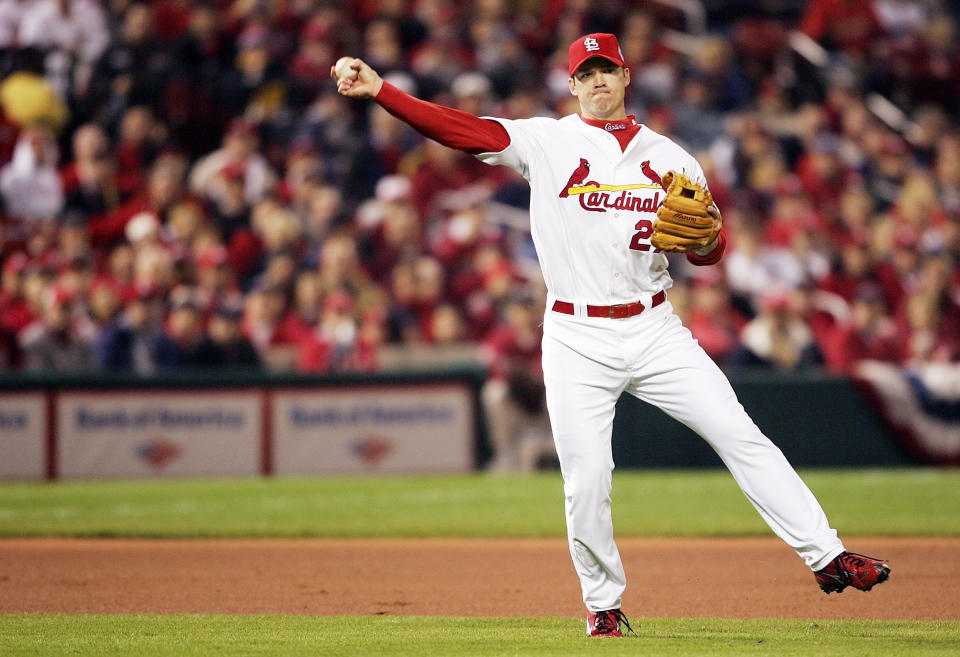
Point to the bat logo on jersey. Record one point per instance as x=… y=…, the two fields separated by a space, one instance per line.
x=597 y=197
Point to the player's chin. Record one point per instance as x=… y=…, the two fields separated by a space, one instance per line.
x=602 y=105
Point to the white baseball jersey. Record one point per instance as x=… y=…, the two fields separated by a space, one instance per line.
x=592 y=205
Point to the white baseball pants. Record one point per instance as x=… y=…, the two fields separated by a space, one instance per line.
x=587 y=364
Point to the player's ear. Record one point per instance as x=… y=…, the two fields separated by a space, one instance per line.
x=572 y=85
x=626 y=76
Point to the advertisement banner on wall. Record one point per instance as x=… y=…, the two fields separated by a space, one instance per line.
x=23 y=432
x=157 y=434
x=419 y=428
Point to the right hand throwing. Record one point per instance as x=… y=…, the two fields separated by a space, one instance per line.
x=367 y=84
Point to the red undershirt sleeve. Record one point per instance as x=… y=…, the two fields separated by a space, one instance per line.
x=711 y=258
x=450 y=127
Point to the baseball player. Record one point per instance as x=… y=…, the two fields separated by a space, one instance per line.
x=608 y=197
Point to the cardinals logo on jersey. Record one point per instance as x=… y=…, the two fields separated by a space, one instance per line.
x=600 y=197
x=576 y=178
x=650 y=173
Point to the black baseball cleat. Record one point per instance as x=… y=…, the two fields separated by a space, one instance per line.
x=851 y=569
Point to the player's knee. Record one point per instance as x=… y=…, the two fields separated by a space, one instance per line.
x=746 y=446
x=588 y=475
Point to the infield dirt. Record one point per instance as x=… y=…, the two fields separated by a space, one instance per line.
x=675 y=577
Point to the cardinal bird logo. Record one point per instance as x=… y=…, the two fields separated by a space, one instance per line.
x=577 y=177
x=650 y=173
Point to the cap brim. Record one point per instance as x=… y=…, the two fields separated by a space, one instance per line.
x=589 y=56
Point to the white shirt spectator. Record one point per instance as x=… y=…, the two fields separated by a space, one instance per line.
x=30 y=184
x=77 y=27
x=11 y=13
x=206 y=177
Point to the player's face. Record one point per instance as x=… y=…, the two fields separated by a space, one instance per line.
x=600 y=86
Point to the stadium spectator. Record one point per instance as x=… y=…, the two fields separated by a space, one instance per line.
x=264 y=310
x=163 y=188
x=133 y=69
x=11 y=13
x=334 y=344
x=52 y=344
x=106 y=321
x=236 y=163
x=322 y=214
x=224 y=344
x=135 y=342
x=712 y=319
x=31 y=187
x=214 y=278
x=138 y=143
x=72 y=33
x=15 y=312
x=90 y=180
x=513 y=397
x=310 y=65
x=929 y=339
x=869 y=334
x=201 y=56
x=778 y=337
x=184 y=332
x=304 y=313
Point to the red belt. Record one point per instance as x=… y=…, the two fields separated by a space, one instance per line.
x=618 y=311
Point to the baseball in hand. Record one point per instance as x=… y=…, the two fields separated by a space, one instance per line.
x=342 y=69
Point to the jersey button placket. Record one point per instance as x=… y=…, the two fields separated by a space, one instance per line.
x=617 y=256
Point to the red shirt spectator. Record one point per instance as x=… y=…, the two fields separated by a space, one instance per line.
x=868 y=335
x=15 y=312
x=164 y=187
x=712 y=320
x=853 y=270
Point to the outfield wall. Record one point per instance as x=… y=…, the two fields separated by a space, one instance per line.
x=211 y=425
x=245 y=425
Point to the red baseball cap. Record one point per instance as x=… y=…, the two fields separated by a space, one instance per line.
x=597 y=44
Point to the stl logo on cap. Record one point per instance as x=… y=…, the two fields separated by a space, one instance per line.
x=598 y=44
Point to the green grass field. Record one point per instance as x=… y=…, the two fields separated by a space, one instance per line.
x=677 y=503
x=688 y=503
x=410 y=636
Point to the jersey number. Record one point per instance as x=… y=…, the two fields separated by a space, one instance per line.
x=644 y=230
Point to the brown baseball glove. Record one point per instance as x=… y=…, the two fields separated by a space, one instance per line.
x=683 y=222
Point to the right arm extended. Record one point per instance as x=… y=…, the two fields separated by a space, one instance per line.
x=450 y=127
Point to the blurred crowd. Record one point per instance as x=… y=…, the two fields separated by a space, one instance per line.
x=182 y=186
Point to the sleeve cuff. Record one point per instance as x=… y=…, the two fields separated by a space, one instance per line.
x=711 y=258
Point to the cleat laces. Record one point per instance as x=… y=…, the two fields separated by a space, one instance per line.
x=607 y=622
